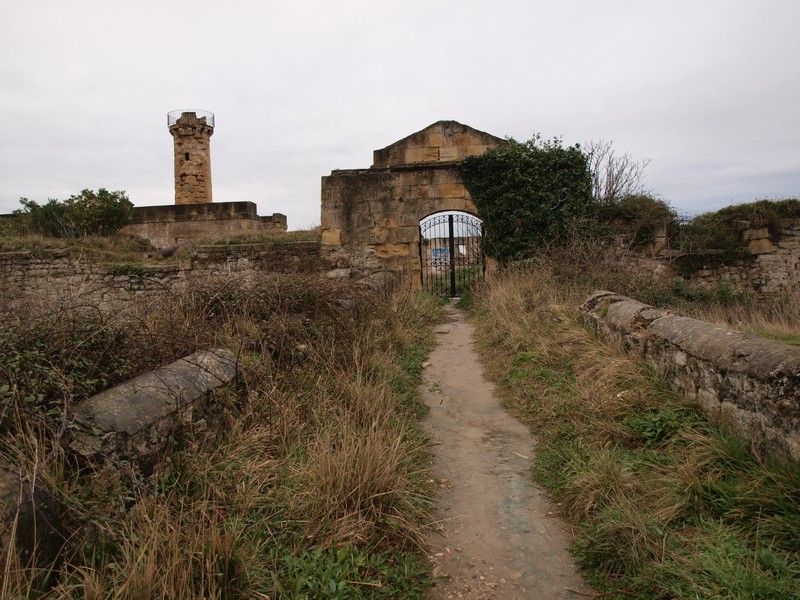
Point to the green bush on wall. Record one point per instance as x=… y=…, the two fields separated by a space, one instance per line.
x=529 y=195
x=88 y=213
x=640 y=217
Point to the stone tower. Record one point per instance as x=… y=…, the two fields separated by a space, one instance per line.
x=192 y=131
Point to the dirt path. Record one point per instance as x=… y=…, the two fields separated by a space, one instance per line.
x=499 y=535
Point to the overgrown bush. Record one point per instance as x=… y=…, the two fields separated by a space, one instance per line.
x=761 y=213
x=529 y=195
x=87 y=213
x=640 y=219
x=715 y=238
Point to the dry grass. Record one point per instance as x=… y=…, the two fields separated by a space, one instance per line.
x=650 y=485
x=319 y=449
x=776 y=317
x=356 y=481
x=116 y=247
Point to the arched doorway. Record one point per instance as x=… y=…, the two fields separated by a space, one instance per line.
x=450 y=253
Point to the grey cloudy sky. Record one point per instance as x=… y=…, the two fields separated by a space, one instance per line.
x=709 y=90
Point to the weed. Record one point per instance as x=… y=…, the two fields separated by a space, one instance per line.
x=134 y=269
x=349 y=572
x=659 y=425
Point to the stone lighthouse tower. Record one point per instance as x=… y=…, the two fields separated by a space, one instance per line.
x=192 y=130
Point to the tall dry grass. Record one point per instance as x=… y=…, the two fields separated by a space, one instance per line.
x=663 y=503
x=318 y=446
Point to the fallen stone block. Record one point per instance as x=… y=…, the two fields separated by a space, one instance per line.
x=136 y=420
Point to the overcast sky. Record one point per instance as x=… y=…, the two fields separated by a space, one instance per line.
x=708 y=90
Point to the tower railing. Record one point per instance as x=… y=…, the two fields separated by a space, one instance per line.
x=174 y=115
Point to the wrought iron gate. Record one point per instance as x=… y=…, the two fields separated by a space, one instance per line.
x=450 y=253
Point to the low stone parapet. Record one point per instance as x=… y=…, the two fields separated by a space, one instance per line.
x=747 y=385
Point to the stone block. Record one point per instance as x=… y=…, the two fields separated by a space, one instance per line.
x=476 y=150
x=758 y=233
x=430 y=154
x=448 y=153
x=135 y=420
x=338 y=273
x=332 y=237
x=117 y=421
x=451 y=204
x=460 y=139
x=435 y=140
x=420 y=192
x=446 y=175
x=405 y=234
x=379 y=235
x=412 y=155
x=422 y=176
x=390 y=221
x=393 y=250
x=761 y=246
x=450 y=190
x=31 y=514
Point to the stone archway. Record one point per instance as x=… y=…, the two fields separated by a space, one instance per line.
x=379 y=209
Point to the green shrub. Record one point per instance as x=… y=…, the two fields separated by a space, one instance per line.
x=640 y=218
x=127 y=269
x=715 y=238
x=88 y=213
x=529 y=195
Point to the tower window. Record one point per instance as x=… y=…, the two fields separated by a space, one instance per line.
x=185 y=156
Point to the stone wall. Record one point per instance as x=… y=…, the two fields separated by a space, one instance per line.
x=745 y=384
x=774 y=267
x=168 y=225
x=379 y=209
x=49 y=276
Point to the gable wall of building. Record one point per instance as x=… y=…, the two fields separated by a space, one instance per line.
x=379 y=209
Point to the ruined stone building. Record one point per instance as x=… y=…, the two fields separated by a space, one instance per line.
x=194 y=216
x=379 y=209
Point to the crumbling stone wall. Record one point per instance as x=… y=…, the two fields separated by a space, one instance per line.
x=775 y=267
x=747 y=385
x=379 y=209
x=54 y=276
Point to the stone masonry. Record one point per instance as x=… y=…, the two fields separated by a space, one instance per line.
x=193 y=216
x=379 y=209
x=745 y=384
x=192 y=137
x=168 y=225
x=775 y=268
